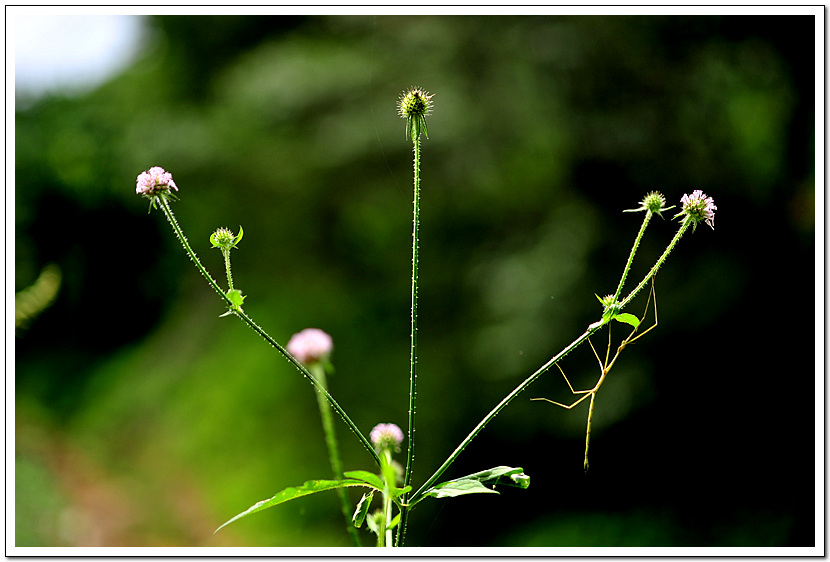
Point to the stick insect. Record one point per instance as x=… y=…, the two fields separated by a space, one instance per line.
x=605 y=366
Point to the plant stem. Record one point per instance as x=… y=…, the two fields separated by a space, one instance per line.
x=227 y=254
x=385 y=535
x=631 y=255
x=413 y=333
x=415 y=498
x=499 y=407
x=684 y=225
x=168 y=212
x=319 y=371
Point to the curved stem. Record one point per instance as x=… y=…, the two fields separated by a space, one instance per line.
x=299 y=366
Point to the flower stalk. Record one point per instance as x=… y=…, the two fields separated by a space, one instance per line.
x=168 y=213
x=319 y=371
x=414 y=106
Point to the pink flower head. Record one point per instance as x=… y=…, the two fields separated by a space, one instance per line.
x=699 y=208
x=154 y=181
x=386 y=436
x=310 y=345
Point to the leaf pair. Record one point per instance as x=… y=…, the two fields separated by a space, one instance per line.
x=476 y=483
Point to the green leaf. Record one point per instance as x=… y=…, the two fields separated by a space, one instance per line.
x=627 y=319
x=398 y=492
x=238 y=238
x=460 y=487
x=236 y=298
x=394 y=523
x=310 y=487
x=474 y=483
x=365 y=476
x=362 y=509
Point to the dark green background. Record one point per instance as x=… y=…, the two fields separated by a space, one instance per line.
x=143 y=419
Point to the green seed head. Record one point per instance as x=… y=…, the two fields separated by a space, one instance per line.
x=654 y=202
x=224 y=239
x=414 y=105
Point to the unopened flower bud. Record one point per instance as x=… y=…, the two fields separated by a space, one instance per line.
x=224 y=239
x=654 y=202
x=414 y=105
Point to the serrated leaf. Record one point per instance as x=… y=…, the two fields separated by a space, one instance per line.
x=362 y=509
x=310 y=487
x=627 y=319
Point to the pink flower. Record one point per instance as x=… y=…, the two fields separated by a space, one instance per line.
x=699 y=208
x=310 y=345
x=154 y=181
x=386 y=435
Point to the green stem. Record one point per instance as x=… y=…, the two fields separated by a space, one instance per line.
x=319 y=371
x=384 y=538
x=413 y=333
x=168 y=212
x=227 y=254
x=299 y=366
x=686 y=222
x=544 y=368
x=499 y=407
x=631 y=255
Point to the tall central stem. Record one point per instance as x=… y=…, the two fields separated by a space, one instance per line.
x=413 y=334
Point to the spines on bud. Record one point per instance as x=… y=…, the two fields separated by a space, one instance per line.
x=414 y=105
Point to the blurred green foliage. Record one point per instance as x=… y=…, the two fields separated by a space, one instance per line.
x=143 y=419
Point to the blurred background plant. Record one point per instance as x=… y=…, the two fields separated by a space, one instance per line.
x=142 y=419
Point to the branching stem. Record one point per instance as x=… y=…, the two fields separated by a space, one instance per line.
x=168 y=212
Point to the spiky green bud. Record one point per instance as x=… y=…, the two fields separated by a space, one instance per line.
x=414 y=105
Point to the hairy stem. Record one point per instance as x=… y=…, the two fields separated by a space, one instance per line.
x=413 y=333
x=499 y=407
x=686 y=222
x=168 y=212
x=631 y=255
x=227 y=254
